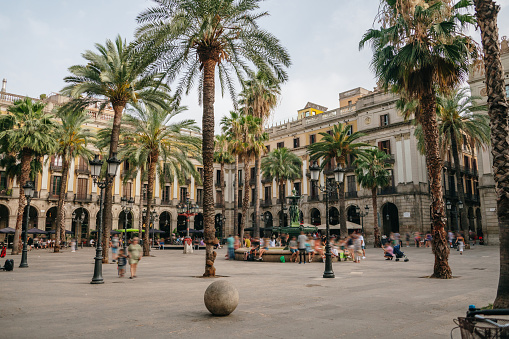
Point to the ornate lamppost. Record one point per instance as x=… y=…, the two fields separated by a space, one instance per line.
x=111 y=171
x=153 y=217
x=362 y=214
x=127 y=207
x=28 y=188
x=78 y=221
x=187 y=209
x=329 y=187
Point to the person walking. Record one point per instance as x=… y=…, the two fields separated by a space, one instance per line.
x=135 y=253
x=231 y=247
x=114 y=247
x=302 y=239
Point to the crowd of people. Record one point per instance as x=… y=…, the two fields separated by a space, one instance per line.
x=304 y=248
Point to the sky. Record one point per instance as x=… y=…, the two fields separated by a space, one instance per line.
x=41 y=39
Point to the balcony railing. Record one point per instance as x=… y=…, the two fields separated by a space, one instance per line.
x=55 y=167
x=387 y=190
x=6 y=193
x=266 y=203
x=82 y=170
x=350 y=195
x=53 y=196
x=218 y=184
x=166 y=202
x=314 y=198
x=79 y=197
x=218 y=205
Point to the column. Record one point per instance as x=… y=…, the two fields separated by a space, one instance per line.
x=117 y=184
x=399 y=160
x=45 y=174
x=70 y=182
x=137 y=187
x=304 y=177
x=157 y=188
x=408 y=159
x=175 y=189
x=191 y=189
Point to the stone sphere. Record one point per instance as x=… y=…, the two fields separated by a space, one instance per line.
x=221 y=298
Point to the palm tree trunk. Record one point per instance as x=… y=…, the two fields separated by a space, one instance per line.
x=209 y=66
x=282 y=202
x=60 y=204
x=223 y=202
x=153 y=157
x=487 y=12
x=140 y=219
x=376 y=230
x=256 y=197
x=236 y=197
x=26 y=158
x=428 y=121
x=461 y=190
x=118 y=107
x=343 y=230
x=245 y=202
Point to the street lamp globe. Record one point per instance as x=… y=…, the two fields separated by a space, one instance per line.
x=460 y=204
x=123 y=202
x=339 y=174
x=367 y=209
x=315 y=172
x=95 y=166
x=130 y=203
x=113 y=164
x=448 y=205
x=28 y=188
x=357 y=209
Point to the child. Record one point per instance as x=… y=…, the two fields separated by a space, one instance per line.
x=121 y=263
x=388 y=252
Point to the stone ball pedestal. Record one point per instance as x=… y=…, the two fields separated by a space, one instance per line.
x=221 y=298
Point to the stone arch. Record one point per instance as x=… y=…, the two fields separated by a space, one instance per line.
x=122 y=222
x=83 y=227
x=33 y=216
x=4 y=216
x=198 y=221
x=315 y=217
x=284 y=218
x=51 y=219
x=390 y=218
x=352 y=215
x=165 y=223
x=471 y=219
x=218 y=225
x=268 y=220
x=181 y=223
x=333 y=216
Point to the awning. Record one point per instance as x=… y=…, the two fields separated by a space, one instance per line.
x=349 y=225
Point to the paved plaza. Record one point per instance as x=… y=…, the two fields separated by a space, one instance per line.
x=374 y=299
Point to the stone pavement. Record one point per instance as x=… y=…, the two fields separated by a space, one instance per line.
x=374 y=299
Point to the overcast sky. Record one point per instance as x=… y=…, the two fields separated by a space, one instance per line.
x=41 y=39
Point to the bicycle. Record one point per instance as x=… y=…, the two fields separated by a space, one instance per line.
x=476 y=326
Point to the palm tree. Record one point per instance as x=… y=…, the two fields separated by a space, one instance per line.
x=338 y=147
x=72 y=141
x=29 y=131
x=248 y=146
x=281 y=165
x=193 y=38
x=148 y=136
x=116 y=74
x=259 y=97
x=231 y=127
x=222 y=156
x=372 y=171
x=419 y=50
x=487 y=13
x=458 y=126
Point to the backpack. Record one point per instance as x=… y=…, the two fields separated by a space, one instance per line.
x=4 y=252
x=9 y=265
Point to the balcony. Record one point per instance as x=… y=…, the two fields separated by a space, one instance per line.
x=314 y=198
x=334 y=196
x=166 y=202
x=450 y=193
x=6 y=193
x=387 y=190
x=252 y=181
x=218 y=184
x=153 y=201
x=241 y=183
x=80 y=197
x=82 y=170
x=266 y=203
x=218 y=205
x=351 y=195
x=392 y=159
x=266 y=180
x=52 y=196
x=55 y=167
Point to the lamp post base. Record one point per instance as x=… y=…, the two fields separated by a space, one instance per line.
x=24 y=262
x=329 y=275
x=98 y=268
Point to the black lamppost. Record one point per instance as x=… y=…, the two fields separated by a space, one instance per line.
x=111 y=171
x=28 y=188
x=153 y=216
x=362 y=215
x=187 y=210
x=330 y=187
x=458 y=215
x=448 y=205
x=78 y=221
x=127 y=207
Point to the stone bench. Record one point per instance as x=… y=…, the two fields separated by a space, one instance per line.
x=274 y=254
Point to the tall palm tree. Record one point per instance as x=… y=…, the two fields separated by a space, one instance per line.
x=487 y=13
x=150 y=136
x=458 y=126
x=28 y=130
x=223 y=157
x=372 y=171
x=259 y=97
x=248 y=147
x=72 y=141
x=337 y=147
x=193 y=38
x=231 y=127
x=421 y=49
x=118 y=75
x=281 y=165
